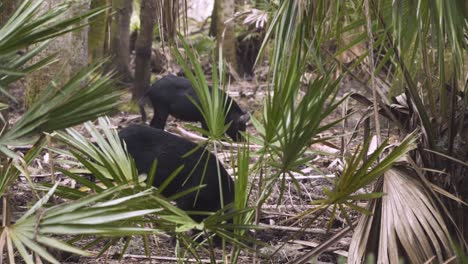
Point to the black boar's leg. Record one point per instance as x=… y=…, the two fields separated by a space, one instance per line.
x=159 y=118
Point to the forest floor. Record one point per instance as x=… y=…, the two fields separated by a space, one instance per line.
x=295 y=237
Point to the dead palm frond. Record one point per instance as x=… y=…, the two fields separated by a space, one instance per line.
x=412 y=228
x=348 y=186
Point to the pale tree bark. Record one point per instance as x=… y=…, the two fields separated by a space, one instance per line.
x=225 y=34
x=143 y=48
x=79 y=40
x=120 y=39
x=6 y=10
x=71 y=54
x=58 y=71
x=241 y=5
x=97 y=33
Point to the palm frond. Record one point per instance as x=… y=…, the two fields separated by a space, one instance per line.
x=213 y=105
x=293 y=118
x=88 y=216
x=28 y=26
x=13 y=167
x=411 y=226
x=358 y=174
x=108 y=160
x=84 y=97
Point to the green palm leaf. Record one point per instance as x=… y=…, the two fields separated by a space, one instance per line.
x=25 y=27
x=84 y=97
x=87 y=216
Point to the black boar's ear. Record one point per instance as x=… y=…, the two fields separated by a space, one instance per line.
x=244 y=118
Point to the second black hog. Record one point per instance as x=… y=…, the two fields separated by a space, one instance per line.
x=145 y=144
x=169 y=95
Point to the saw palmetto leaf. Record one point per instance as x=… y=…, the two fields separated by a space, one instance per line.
x=84 y=97
x=28 y=26
x=293 y=117
x=211 y=100
x=108 y=161
x=412 y=227
x=87 y=216
x=357 y=175
x=106 y=158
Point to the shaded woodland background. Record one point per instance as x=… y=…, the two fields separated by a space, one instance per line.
x=357 y=146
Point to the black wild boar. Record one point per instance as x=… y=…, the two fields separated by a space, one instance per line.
x=145 y=144
x=168 y=95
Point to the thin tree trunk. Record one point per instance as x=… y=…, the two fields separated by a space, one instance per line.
x=79 y=40
x=169 y=19
x=240 y=5
x=58 y=71
x=6 y=10
x=225 y=34
x=214 y=19
x=120 y=38
x=97 y=34
x=143 y=48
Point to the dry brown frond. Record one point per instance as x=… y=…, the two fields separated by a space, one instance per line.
x=411 y=226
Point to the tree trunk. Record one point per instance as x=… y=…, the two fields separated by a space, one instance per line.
x=58 y=71
x=120 y=38
x=79 y=40
x=169 y=19
x=143 y=48
x=97 y=34
x=214 y=19
x=6 y=10
x=240 y=5
x=225 y=34
x=71 y=52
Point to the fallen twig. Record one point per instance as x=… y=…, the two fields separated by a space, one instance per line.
x=338 y=251
x=198 y=139
x=297 y=176
x=41 y=175
x=169 y=258
x=323 y=247
x=296 y=229
x=301 y=207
